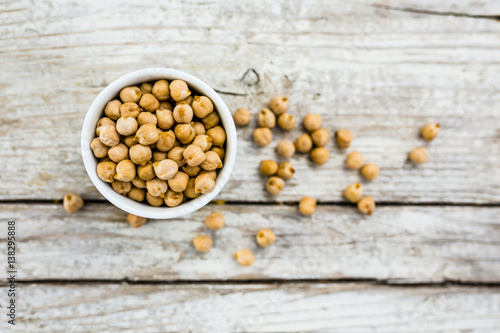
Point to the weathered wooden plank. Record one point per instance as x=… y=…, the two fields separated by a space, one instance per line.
x=406 y=244
x=255 y=308
x=466 y=7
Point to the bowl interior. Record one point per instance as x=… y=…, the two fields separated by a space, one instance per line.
x=95 y=112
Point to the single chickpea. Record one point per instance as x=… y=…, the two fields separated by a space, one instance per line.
x=161 y=90
x=190 y=191
x=130 y=94
x=370 y=171
x=146 y=88
x=191 y=171
x=177 y=154
x=158 y=156
x=118 y=153
x=307 y=206
x=137 y=194
x=100 y=149
x=286 y=121
x=129 y=140
x=204 y=141
x=185 y=133
x=312 y=122
x=125 y=171
x=204 y=183
x=265 y=237
x=266 y=118
x=149 y=103
x=220 y=151
x=156 y=187
x=136 y=221
x=189 y=101
x=419 y=155
x=165 y=169
x=147 y=135
x=354 y=192
x=183 y=113
x=211 y=120
x=279 y=105
x=202 y=243
x=303 y=143
x=121 y=187
x=215 y=221
x=179 y=90
x=126 y=126
x=320 y=137
x=355 y=160
x=242 y=117
x=154 y=201
x=146 y=172
x=366 y=205
x=202 y=106
x=211 y=162
x=199 y=128
x=112 y=109
x=106 y=171
x=218 y=136
x=103 y=122
x=166 y=106
x=268 y=167
x=130 y=109
x=193 y=155
x=166 y=141
x=244 y=257
x=108 y=135
x=429 y=132
x=285 y=170
x=179 y=182
x=165 y=119
x=211 y=173
x=262 y=136
x=274 y=185
x=286 y=148
x=173 y=199
x=72 y=203
x=140 y=154
x=138 y=182
x=344 y=138
x=146 y=118
x=320 y=155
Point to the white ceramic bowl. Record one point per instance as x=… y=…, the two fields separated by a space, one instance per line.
x=96 y=111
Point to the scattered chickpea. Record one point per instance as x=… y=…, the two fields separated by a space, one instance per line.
x=191 y=171
x=146 y=88
x=355 y=160
x=190 y=191
x=165 y=169
x=419 y=155
x=112 y=109
x=312 y=122
x=286 y=121
x=108 y=135
x=202 y=106
x=320 y=155
x=140 y=154
x=179 y=182
x=286 y=149
x=166 y=141
x=366 y=205
x=199 y=128
x=106 y=171
x=274 y=185
x=177 y=154
x=136 y=221
x=370 y=171
x=354 y=192
x=303 y=143
x=262 y=136
x=179 y=90
x=211 y=120
x=211 y=162
x=202 y=243
x=183 y=113
x=154 y=201
x=72 y=203
x=204 y=183
x=279 y=105
x=138 y=182
x=265 y=237
x=146 y=172
x=118 y=153
x=244 y=257
x=218 y=136
x=220 y=151
x=193 y=155
x=266 y=118
x=100 y=149
x=165 y=119
x=344 y=138
x=268 y=167
x=149 y=103
x=161 y=90
x=184 y=133
x=320 y=137
x=125 y=171
x=242 y=117
x=121 y=187
x=126 y=126
x=307 y=205
x=137 y=194
x=429 y=132
x=285 y=170
x=130 y=109
x=215 y=221
x=173 y=199
x=156 y=187
x=147 y=135
x=146 y=118
x=130 y=94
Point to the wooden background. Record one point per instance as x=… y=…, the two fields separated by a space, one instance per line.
x=428 y=260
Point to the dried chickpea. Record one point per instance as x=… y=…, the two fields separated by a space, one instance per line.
x=154 y=201
x=183 y=113
x=193 y=155
x=112 y=109
x=177 y=154
x=118 y=153
x=190 y=191
x=218 y=136
x=429 y=132
x=355 y=160
x=165 y=169
x=419 y=155
x=204 y=141
x=344 y=138
x=320 y=155
x=126 y=126
x=108 y=135
x=138 y=182
x=130 y=94
x=192 y=171
x=211 y=120
x=202 y=243
x=166 y=141
x=179 y=182
x=100 y=149
x=102 y=122
x=220 y=151
x=285 y=170
x=137 y=194
x=146 y=88
x=129 y=140
x=286 y=121
x=149 y=103
x=354 y=192
x=189 y=101
x=105 y=159
x=165 y=106
x=147 y=135
x=146 y=172
x=262 y=136
x=198 y=127
x=130 y=109
x=203 y=183
x=265 y=237
x=366 y=205
x=156 y=187
x=140 y=154
x=202 y=106
x=146 y=118
x=136 y=221
x=165 y=119
x=184 y=133
x=211 y=162
x=158 y=156
x=274 y=185
x=215 y=221
x=121 y=187
x=125 y=171
x=72 y=203
x=312 y=122
x=242 y=117
x=268 y=167
x=179 y=90
x=370 y=171
x=173 y=199
x=161 y=90
x=244 y=257
x=279 y=105
x=106 y=171
x=303 y=143
x=286 y=148
x=320 y=137
x=212 y=173
x=307 y=206
x=266 y=118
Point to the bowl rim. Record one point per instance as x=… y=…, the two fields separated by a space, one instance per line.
x=95 y=112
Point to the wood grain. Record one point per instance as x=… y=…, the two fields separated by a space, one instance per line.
x=403 y=244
